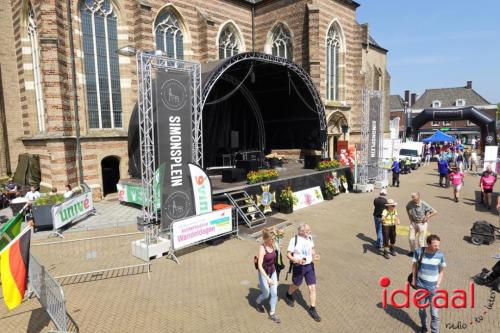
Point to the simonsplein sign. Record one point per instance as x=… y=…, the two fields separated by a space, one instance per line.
x=173 y=101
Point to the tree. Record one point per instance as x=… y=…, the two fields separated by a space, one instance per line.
x=498 y=111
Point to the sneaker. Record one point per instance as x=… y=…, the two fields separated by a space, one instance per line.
x=274 y=317
x=260 y=308
x=386 y=255
x=314 y=314
x=393 y=252
x=289 y=300
x=410 y=254
x=423 y=330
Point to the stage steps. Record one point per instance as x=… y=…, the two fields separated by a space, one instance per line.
x=246 y=208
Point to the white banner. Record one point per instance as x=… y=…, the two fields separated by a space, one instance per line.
x=490 y=157
x=72 y=209
x=198 y=228
x=202 y=189
x=308 y=197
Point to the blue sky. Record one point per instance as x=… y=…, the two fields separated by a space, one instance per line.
x=438 y=44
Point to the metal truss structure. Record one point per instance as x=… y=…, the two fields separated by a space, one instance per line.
x=318 y=107
x=370 y=172
x=146 y=65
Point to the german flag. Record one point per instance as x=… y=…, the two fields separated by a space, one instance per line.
x=14 y=264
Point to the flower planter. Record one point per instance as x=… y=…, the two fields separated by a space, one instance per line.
x=42 y=215
x=327 y=195
x=286 y=209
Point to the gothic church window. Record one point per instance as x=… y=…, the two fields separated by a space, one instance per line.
x=229 y=41
x=333 y=44
x=169 y=36
x=102 y=75
x=282 y=42
x=37 y=73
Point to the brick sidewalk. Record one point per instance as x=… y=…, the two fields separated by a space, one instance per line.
x=214 y=287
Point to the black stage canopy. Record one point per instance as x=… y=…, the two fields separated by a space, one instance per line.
x=252 y=101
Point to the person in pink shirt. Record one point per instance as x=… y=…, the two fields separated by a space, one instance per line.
x=456 y=178
x=487 y=182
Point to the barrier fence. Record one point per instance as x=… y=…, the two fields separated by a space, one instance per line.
x=91 y=258
x=49 y=292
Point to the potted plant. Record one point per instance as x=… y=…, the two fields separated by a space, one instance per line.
x=328 y=165
x=286 y=200
x=42 y=209
x=330 y=189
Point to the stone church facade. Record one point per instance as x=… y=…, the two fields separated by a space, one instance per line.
x=37 y=104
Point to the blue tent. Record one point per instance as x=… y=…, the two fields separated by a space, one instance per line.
x=439 y=136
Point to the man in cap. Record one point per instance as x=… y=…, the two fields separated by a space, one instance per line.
x=379 y=206
x=390 y=219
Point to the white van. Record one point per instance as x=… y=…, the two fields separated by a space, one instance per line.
x=413 y=151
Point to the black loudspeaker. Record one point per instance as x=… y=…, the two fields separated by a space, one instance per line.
x=233 y=175
x=248 y=165
x=311 y=161
x=235 y=139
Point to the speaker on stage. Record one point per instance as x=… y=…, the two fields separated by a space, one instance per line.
x=311 y=161
x=233 y=175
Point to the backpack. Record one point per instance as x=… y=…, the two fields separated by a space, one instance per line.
x=291 y=262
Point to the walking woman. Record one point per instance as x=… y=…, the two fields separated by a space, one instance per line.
x=487 y=182
x=268 y=281
x=456 y=178
x=390 y=219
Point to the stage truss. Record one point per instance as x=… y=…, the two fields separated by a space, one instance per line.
x=318 y=107
x=146 y=65
x=370 y=171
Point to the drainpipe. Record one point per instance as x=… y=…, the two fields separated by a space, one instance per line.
x=253 y=26
x=75 y=96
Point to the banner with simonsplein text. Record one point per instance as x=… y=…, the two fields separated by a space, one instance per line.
x=174 y=110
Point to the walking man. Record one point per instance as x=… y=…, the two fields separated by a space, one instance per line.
x=466 y=159
x=379 y=206
x=395 y=173
x=429 y=276
x=443 y=171
x=419 y=213
x=301 y=253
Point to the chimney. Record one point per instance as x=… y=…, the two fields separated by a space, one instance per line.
x=407 y=96
x=413 y=99
x=469 y=85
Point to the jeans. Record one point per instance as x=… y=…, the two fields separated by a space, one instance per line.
x=378 y=230
x=265 y=290
x=434 y=313
x=466 y=165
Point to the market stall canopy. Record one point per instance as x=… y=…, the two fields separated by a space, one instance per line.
x=439 y=136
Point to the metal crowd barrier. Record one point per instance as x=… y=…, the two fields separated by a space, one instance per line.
x=91 y=258
x=49 y=292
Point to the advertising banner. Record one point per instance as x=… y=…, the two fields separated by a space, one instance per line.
x=71 y=209
x=173 y=104
x=308 y=197
x=490 y=157
x=202 y=189
x=201 y=227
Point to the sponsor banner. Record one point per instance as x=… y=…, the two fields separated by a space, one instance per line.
x=134 y=193
x=202 y=190
x=173 y=104
x=490 y=157
x=72 y=209
x=374 y=139
x=308 y=197
x=198 y=228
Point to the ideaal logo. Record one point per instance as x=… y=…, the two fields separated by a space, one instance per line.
x=458 y=299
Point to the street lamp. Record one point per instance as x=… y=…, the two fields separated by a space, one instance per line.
x=345 y=129
x=127 y=51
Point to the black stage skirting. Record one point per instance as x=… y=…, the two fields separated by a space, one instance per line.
x=297 y=183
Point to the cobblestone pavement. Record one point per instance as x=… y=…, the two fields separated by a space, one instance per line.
x=214 y=288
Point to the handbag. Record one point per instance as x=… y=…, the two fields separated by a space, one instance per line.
x=410 y=277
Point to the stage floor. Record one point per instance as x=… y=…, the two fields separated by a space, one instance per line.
x=289 y=170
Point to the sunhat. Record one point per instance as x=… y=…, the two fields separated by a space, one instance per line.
x=391 y=202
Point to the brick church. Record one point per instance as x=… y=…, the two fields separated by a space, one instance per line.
x=40 y=112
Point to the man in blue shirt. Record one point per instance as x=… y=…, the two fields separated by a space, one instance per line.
x=428 y=275
x=443 y=171
x=395 y=173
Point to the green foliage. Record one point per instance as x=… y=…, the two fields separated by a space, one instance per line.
x=498 y=111
x=49 y=200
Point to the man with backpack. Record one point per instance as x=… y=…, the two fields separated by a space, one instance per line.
x=301 y=254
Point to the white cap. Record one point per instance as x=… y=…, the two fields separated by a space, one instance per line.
x=383 y=191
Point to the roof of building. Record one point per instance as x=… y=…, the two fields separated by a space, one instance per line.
x=348 y=2
x=448 y=96
x=373 y=43
x=396 y=102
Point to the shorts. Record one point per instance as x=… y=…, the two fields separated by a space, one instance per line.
x=457 y=187
x=490 y=190
x=303 y=271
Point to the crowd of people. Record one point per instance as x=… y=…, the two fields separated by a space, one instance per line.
x=13 y=192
